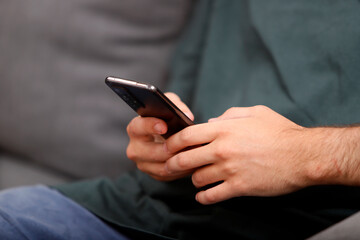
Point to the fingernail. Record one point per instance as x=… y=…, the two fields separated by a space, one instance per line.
x=189 y=115
x=158 y=129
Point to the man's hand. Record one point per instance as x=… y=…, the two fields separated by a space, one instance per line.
x=146 y=146
x=251 y=152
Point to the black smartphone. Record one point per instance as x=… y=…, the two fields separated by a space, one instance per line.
x=148 y=101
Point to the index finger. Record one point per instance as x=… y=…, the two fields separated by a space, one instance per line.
x=191 y=136
x=180 y=104
x=145 y=126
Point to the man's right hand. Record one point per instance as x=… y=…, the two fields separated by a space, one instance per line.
x=146 y=147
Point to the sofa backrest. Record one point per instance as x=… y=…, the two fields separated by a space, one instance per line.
x=54 y=56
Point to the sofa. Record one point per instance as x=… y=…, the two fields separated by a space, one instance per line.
x=58 y=120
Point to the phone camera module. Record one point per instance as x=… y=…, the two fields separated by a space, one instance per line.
x=128 y=98
x=133 y=103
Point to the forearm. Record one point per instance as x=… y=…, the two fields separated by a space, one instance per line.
x=334 y=155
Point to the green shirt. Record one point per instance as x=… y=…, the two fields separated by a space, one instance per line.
x=300 y=58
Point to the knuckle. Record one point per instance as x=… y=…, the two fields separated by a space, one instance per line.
x=239 y=186
x=182 y=161
x=231 y=111
x=261 y=108
x=229 y=169
x=131 y=153
x=197 y=179
x=141 y=166
x=162 y=173
x=130 y=127
x=160 y=178
x=224 y=131
x=222 y=152
x=218 y=152
x=185 y=135
x=157 y=178
x=152 y=156
x=147 y=154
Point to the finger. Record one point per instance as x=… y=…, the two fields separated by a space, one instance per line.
x=180 y=104
x=207 y=175
x=169 y=178
x=215 y=194
x=172 y=96
x=147 y=151
x=158 y=138
x=233 y=113
x=190 y=159
x=146 y=126
x=191 y=136
x=156 y=170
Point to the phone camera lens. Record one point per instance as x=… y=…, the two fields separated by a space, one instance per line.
x=128 y=98
x=133 y=103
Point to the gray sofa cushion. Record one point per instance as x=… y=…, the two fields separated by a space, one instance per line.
x=54 y=106
x=15 y=172
x=347 y=229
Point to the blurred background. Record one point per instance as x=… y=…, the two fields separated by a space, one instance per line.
x=58 y=120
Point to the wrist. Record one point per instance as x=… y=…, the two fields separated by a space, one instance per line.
x=331 y=157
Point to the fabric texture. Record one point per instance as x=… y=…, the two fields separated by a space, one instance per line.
x=298 y=57
x=347 y=229
x=42 y=213
x=139 y=206
x=55 y=108
x=15 y=172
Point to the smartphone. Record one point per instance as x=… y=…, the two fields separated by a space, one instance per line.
x=148 y=101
